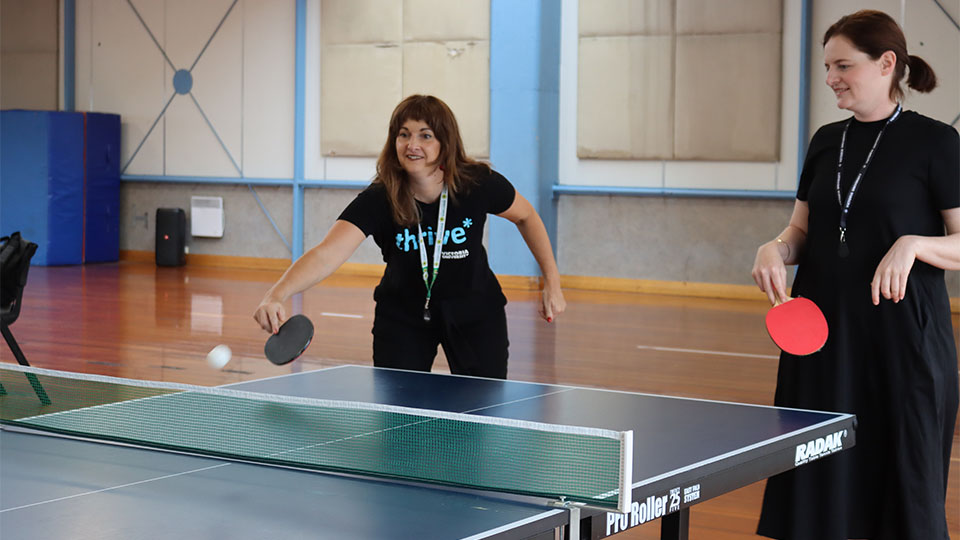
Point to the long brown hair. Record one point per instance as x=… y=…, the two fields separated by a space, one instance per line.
x=458 y=170
x=874 y=33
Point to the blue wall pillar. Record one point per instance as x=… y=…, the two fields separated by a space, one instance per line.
x=300 y=78
x=524 y=102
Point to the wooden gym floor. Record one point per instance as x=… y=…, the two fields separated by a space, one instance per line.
x=136 y=320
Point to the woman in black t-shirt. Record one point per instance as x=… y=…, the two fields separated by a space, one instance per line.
x=875 y=223
x=426 y=211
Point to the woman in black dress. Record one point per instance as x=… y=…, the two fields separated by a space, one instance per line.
x=875 y=223
x=426 y=211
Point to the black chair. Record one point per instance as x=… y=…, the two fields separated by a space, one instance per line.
x=14 y=267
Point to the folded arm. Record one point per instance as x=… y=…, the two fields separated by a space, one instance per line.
x=890 y=278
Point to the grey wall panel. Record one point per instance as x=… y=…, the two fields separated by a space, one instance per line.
x=657 y=238
x=320 y=209
x=670 y=239
x=247 y=231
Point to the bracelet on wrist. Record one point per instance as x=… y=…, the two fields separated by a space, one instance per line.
x=780 y=242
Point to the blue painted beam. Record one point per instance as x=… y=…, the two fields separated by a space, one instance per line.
x=555 y=190
x=300 y=82
x=548 y=126
x=228 y=180
x=336 y=184
x=803 y=113
x=245 y=180
x=562 y=189
x=524 y=102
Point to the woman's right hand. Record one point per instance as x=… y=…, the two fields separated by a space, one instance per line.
x=270 y=315
x=314 y=266
x=770 y=273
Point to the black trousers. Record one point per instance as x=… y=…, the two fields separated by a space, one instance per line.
x=474 y=340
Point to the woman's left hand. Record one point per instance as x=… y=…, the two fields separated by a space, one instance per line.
x=551 y=302
x=890 y=279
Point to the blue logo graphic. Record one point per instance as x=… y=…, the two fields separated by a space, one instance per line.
x=407 y=240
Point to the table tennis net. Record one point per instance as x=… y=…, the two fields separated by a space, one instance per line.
x=578 y=464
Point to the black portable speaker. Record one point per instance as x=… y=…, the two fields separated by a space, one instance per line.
x=171 y=237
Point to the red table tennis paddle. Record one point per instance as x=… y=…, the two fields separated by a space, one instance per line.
x=290 y=341
x=797 y=326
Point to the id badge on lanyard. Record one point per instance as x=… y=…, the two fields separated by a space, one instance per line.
x=430 y=273
x=844 y=250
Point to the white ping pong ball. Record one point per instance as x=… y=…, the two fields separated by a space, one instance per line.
x=219 y=356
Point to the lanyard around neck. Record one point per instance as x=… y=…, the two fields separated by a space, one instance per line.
x=845 y=204
x=429 y=277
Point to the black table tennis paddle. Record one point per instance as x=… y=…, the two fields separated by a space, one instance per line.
x=290 y=341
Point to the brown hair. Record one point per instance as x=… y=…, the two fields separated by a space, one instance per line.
x=874 y=33
x=458 y=169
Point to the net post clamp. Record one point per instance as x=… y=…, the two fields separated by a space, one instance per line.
x=574 y=508
x=562 y=502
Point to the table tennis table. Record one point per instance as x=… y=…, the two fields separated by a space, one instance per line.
x=685 y=451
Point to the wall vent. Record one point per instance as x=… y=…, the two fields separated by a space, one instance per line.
x=206 y=216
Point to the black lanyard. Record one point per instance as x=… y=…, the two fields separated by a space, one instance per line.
x=844 y=250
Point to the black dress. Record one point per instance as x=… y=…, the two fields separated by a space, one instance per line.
x=893 y=365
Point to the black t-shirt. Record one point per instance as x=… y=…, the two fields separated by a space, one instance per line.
x=912 y=177
x=464 y=271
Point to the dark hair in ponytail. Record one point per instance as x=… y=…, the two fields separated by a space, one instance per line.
x=874 y=33
x=921 y=77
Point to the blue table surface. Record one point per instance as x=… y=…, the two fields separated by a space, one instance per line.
x=64 y=488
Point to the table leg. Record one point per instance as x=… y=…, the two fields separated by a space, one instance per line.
x=675 y=526
x=574 y=523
